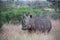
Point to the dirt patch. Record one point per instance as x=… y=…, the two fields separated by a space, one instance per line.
x=56 y=29
x=14 y=32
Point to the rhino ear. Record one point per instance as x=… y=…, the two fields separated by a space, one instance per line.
x=24 y=16
x=30 y=16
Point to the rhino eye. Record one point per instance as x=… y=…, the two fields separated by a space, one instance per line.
x=23 y=22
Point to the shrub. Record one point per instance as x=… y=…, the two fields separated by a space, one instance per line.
x=15 y=15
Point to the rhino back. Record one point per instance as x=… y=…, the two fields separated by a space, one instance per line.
x=42 y=23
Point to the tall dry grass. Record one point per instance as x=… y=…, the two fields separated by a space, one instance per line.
x=14 y=32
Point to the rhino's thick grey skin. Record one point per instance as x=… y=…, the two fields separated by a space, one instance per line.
x=35 y=23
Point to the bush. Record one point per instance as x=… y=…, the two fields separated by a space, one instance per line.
x=15 y=15
x=56 y=15
x=2 y=19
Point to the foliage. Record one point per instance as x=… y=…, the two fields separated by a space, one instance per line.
x=15 y=15
x=55 y=4
x=55 y=15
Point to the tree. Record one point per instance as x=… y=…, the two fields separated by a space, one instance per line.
x=36 y=4
x=55 y=4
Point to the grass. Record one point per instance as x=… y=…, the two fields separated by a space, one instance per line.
x=14 y=32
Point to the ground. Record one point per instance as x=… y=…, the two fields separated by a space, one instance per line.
x=14 y=32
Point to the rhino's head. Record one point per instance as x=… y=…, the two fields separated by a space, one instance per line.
x=26 y=25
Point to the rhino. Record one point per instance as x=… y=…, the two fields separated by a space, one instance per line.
x=35 y=23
